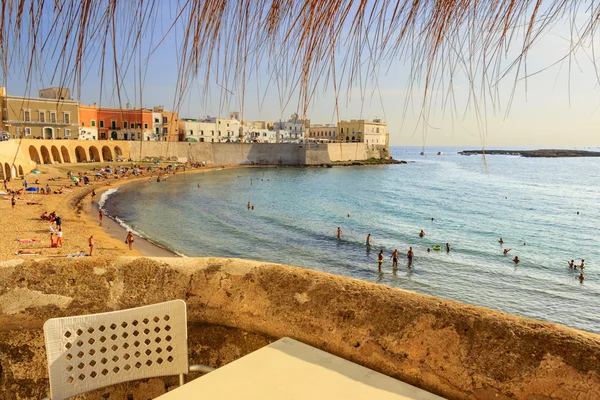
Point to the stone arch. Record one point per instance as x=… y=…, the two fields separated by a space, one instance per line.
x=34 y=155
x=107 y=154
x=55 y=154
x=80 y=154
x=45 y=155
x=118 y=152
x=21 y=171
x=94 y=154
x=65 y=154
x=7 y=174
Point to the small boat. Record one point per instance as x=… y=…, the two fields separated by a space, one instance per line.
x=440 y=153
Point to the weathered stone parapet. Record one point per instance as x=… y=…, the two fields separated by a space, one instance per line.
x=237 y=306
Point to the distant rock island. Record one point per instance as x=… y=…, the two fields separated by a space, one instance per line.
x=548 y=153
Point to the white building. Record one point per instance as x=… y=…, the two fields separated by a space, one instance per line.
x=211 y=129
x=292 y=130
x=157 y=126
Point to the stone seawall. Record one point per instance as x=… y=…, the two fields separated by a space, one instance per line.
x=236 y=306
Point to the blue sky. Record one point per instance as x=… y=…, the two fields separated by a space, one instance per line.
x=557 y=107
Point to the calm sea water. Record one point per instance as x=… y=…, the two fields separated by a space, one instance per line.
x=297 y=212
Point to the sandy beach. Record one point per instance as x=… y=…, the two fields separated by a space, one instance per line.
x=78 y=211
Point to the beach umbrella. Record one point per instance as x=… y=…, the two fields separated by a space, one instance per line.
x=32 y=189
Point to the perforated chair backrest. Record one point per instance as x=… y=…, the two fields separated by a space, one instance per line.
x=88 y=352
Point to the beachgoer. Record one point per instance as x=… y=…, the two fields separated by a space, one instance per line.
x=524 y=243
x=51 y=239
x=581 y=277
x=395 y=258
x=501 y=241
x=428 y=250
x=129 y=240
x=248 y=205
x=91 y=244
x=422 y=233
x=58 y=221
x=198 y=185
x=93 y=194
x=348 y=215
x=59 y=237
x=13 y=202
x=572 y=264
x=44 y=215
x=380 y=258
x=577 y=212
x=506 y=251
x=448 y=248
x=252 y=208
x=516 y=260
x=581 y=265
x=410 y=254
x=368 y=241
x=100 y=215
x=339 y=232
x=431 y=219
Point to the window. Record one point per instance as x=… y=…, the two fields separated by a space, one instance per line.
x=219 y=133
x=67 y=117
x=93 y=123
x=113 y=124
x=53 y=117
x=202 y=133
x=18 y=131
x=27 y=115
x=67 y=132
x=101 y=124
x=156 y=121
x=157 y=131
x=125 y=124
x=138 y=125
x=212 y=133
x=165 y=130
x=42 y=116
x=132 y=125
x=27 y=131
x=164 y=120
x=82 y=123
x=145 y=126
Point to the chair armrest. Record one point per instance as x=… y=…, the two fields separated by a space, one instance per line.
x=205 y=369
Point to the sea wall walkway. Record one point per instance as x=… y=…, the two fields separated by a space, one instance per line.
x=236 y=306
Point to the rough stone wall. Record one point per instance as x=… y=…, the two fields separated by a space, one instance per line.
x=236 y=306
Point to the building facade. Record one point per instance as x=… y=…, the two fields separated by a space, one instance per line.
x=292 y=130
x=125 y=124
x=322 y=133
x=363 y=131
x=88 y=122
x=211 y=129
x=44 y=117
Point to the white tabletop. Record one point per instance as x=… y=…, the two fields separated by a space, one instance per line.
x=288 y=369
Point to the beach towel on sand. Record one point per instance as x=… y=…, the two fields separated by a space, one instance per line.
x=27 y=240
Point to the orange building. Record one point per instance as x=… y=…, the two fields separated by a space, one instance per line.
x=125 y=124
x=88 y=122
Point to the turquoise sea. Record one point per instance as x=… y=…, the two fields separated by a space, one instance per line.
x=297 y=212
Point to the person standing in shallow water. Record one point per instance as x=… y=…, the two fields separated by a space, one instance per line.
x=339 y=233
x=395 y=259
x=422 y=233
x=368 y=240
x=410 y=254
x=572 y=264
x=129 y=240
x=380 y=258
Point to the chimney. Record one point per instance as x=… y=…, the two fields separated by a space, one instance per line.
x=127 y=106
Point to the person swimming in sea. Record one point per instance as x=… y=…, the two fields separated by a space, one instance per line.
x=339 y=233
x=395 y=258
x=428 y=250
x=448 y=248
x=501 y=241
x=516 y=260
x=581 y=277
x=410 y=254
x=506 y=251
x=249 y=205
x=368 y=240
x=380 y=258
x=422 y=233
x=572 y=264
x=581 y=265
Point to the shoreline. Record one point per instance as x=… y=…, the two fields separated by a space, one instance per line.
x=111 y=228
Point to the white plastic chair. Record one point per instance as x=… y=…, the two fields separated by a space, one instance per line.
x=89 y=352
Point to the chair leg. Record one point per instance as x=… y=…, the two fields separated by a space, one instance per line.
x=181 y=379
